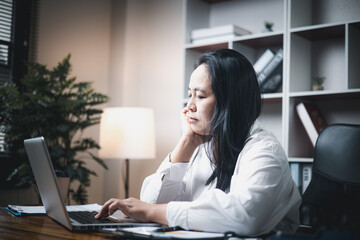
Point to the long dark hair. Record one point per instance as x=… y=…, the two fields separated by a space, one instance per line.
x=238 y=105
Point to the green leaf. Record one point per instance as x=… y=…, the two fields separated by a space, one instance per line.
x=57 y=106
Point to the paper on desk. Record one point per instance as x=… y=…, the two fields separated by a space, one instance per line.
x=27 y=209
x=41 y=209
x=150 y=232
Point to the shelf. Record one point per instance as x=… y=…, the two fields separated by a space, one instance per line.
x=301 y=160
x=316 y=12
x=261 y=39
x=314 y=55
x=206 y=47
x=320 y=38
x=320 y=32
x=345 y=94
x=272 y=97
x=252 y=40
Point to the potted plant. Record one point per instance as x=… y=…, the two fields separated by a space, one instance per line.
x=268 y=26
x=318 y=83
x=55 y=106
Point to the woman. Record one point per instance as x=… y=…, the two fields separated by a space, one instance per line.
x=225 y=173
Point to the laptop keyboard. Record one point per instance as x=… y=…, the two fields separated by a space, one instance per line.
x=87 y=217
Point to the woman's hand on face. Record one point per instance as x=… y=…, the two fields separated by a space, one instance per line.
x=187 y=132
x=136 y=209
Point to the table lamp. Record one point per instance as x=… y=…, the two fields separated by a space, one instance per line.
x=127 y=133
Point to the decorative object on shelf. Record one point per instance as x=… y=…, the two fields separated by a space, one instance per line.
x=268 y=26
x=312 y=120
x=53 y=105
x=216 y=34
x=127 y=133
x=318 y=83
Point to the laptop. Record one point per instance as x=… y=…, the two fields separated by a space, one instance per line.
x=53 y=200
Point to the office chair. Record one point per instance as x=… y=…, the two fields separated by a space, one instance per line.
x=332 y=199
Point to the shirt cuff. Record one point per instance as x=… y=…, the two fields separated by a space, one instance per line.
x=176 y=214
x=172 y=171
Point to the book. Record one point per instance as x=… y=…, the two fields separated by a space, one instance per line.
x=312 y=120
x=271 y=66
x=218 y=31
x=272 y=84
x=264 y=60
x=306 y=176
x=295 y=173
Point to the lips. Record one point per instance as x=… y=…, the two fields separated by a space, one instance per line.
x=192 y=120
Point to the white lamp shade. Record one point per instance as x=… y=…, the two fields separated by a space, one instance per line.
x=127 y=133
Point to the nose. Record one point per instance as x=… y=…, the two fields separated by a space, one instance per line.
x=191 y=105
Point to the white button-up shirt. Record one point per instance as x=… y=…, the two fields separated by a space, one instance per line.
x=262 y=195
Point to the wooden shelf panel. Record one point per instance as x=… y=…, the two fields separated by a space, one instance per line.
x=321 y=32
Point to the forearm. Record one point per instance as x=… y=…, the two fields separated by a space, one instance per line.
x=184 y=150
x=157 y=213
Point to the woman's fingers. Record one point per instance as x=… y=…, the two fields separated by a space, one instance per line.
x=108 y=208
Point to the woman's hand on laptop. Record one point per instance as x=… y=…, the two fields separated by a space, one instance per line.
x=136 y=209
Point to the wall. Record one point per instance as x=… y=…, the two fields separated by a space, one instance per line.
x=132 y=51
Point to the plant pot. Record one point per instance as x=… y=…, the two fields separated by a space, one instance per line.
x=317 y=87
x=63 y=180
x=64 y=186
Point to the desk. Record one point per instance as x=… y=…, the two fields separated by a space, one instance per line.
x=31 y=227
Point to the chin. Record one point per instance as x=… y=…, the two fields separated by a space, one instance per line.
x=199 y=131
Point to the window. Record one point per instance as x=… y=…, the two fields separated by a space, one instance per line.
x=17 y=30
x=6 y=39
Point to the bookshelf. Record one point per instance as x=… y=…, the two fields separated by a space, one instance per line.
x=318 y=37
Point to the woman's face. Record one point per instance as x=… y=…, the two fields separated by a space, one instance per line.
x=202 y=100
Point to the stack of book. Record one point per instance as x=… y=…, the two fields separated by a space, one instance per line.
x=269 y=70
x=217 y=34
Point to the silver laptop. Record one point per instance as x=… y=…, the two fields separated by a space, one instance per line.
x=53 y=200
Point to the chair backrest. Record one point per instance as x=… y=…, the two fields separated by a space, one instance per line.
x=337 y=153
x=332 y=199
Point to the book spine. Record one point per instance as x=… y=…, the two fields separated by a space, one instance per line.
x=311 y=119
x=264 y=60
x=271 y=66
x=295 y=173
x=272 y=84
x=306 y=176
x=316 y=117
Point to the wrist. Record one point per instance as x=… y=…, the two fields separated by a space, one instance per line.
x=157 y=213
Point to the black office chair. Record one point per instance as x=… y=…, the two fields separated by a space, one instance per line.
x=332 y=199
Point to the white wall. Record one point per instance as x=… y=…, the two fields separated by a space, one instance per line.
x=132 y=50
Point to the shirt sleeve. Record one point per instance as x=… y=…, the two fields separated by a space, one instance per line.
x=166 y=184
x=255 y=204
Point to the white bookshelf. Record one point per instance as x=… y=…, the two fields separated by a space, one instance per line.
x=319 y=38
